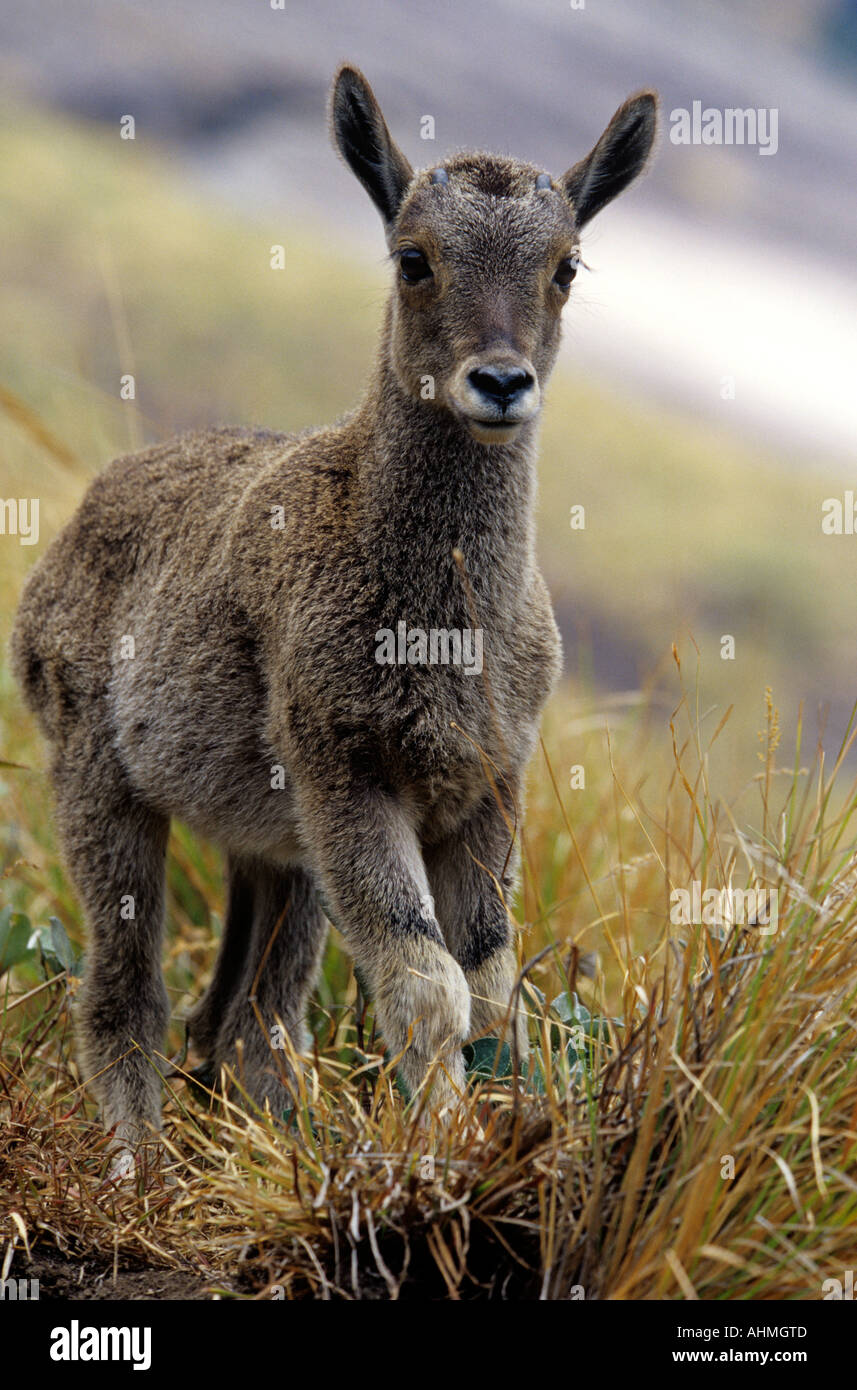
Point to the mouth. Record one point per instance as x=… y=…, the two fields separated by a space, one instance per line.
x=492 y=431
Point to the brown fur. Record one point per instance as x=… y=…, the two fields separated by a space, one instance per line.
x=255 y=650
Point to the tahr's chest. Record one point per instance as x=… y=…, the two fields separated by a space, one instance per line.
x=441 y=722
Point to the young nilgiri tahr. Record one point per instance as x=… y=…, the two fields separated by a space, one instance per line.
x=201 y=641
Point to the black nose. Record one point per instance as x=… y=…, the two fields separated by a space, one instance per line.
x=498 y=385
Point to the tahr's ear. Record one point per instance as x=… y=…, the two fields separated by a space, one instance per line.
x=616 y=160
x=360 y=134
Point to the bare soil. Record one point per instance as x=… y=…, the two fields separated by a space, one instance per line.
x=69 y=1278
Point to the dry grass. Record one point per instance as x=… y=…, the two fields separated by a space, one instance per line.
x=605 y=1171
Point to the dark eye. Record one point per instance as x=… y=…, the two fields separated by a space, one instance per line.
x=414 y=265
x=566 y=271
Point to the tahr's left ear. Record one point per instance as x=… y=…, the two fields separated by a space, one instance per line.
x=362 y=138
x=619 y=156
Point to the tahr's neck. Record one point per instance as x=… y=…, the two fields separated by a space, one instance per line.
x=426 y=487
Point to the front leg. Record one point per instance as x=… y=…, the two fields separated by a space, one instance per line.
x=472 y=877
x=368 y=864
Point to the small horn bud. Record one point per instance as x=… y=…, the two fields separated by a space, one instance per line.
x=439 y=176
x=543 y=181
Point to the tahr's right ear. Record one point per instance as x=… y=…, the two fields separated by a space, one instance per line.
x=360 y=134
x=618 y=157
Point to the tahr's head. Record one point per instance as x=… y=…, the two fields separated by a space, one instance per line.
x=485 y=250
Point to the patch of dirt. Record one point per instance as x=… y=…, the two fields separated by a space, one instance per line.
x=67 y=1278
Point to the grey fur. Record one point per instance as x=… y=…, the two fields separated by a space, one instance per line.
x=255 y=649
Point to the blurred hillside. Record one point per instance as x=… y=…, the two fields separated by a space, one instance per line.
x=722 y=263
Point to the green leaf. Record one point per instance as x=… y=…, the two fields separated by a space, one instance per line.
x=488 y=1058
x=61 y=946
x=15 y=932
x=58 y=952
x=583 y=1024
x=569 y=1009
x=290 y=1117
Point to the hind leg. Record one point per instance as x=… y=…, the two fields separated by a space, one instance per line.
x=205 y=1019
x=115 y=848
x=269 y=958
